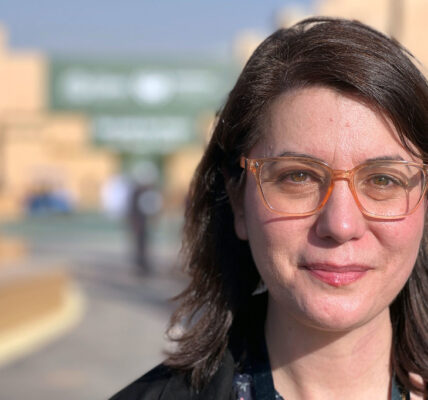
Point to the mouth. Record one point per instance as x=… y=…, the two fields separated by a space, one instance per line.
x=336 y=275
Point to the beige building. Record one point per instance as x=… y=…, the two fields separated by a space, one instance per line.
x=39 y=150
x=403 y=19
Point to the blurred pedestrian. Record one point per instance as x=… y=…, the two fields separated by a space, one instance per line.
x=145 y=202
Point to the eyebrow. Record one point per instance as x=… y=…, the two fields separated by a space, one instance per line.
x=395 y=157
x=295 y=154
x=387 y=158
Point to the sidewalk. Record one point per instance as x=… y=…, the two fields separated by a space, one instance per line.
x=121 y=332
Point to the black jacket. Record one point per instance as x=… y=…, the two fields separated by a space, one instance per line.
x=163 y=383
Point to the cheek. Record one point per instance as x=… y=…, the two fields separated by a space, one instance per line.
x=400 y=241
x=405 y=234
x=275 y=241
x=259 y=227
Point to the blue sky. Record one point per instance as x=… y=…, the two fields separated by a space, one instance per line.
x=129 y=27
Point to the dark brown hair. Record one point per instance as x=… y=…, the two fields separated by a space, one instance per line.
x=217 y=306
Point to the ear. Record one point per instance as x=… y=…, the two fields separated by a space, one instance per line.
x=237 y=203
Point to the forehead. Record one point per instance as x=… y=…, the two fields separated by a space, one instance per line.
x=323 y=123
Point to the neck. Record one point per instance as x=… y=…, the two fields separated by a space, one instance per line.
x=309 y=363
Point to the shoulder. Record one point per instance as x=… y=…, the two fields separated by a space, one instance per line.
x=165 y=383
x=150 y=386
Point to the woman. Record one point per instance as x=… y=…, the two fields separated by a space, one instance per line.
x=304 y=234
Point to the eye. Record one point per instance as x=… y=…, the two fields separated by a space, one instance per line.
x=293 y=173
x=297 y=177
x=384 y=181
x=381 y=180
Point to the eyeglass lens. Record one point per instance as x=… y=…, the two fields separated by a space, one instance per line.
x=300 y=186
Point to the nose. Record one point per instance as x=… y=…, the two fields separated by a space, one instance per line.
x=340 y=219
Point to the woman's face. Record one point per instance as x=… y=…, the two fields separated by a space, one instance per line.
x=301 y=259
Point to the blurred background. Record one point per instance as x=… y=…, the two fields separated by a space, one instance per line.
x=105 y=110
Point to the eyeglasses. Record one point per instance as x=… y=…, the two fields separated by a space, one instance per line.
x=300 y=186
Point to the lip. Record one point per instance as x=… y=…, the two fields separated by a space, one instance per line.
x=337 y=275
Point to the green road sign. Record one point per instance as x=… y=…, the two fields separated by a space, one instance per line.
x=141 y=106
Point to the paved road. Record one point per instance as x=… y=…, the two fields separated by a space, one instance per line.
x=121 y=333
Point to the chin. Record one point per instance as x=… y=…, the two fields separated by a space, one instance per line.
x=335 y=324
x=331 y=313
x=344 y=317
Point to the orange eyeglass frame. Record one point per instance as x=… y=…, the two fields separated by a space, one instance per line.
x=254 y=165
